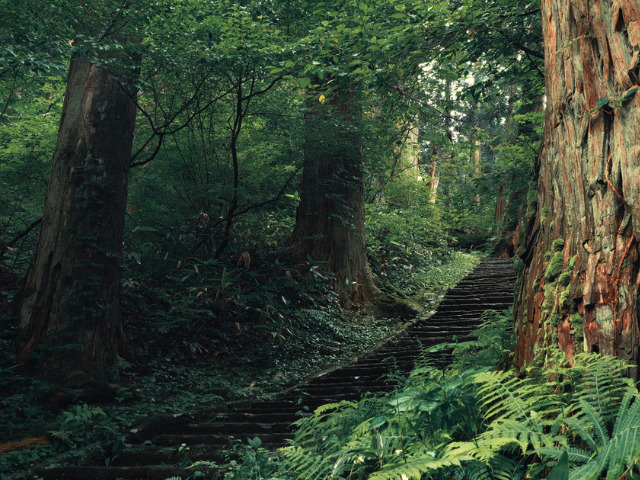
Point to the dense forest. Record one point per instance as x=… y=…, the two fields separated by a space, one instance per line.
x=206 y=202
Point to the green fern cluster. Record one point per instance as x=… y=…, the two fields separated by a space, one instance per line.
x=568 y=406
x=399 y=436
x=89 y=434
x=577 y=419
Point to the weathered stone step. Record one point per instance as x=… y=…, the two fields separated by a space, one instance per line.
x=328 y=389
x=154 y=455
x=146 y=472
x=496 y=291
x=473 y=305
x=240 y=417
x=441 y=330
x=233 y=428
x=273 y=438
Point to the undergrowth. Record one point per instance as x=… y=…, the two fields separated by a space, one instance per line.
x=569 y=419
x=207 y=333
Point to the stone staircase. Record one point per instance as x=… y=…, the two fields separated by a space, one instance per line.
x=152 y=453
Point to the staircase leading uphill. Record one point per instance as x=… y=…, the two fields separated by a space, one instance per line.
x=153 y=453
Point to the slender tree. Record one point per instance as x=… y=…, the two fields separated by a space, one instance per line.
x=580 y=283
x=69 y=310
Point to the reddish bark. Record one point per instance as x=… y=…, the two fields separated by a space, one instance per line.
x=586 y=289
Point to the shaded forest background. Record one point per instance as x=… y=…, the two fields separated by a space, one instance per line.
x=426 y=118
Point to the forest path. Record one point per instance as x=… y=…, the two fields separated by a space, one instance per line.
x=153 y=453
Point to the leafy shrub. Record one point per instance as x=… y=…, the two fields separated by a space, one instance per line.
x=91 y=434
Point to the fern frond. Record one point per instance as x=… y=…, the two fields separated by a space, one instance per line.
x=602 y=382
x=610 y=454
x=629 y=411
x=304 y=462
x=576 y=455
x=595 y=419
x=505 y=396
x=327 y=407
x=584 y=431
x=413 y=469
x=483 y=449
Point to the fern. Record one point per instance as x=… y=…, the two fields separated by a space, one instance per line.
x=602 y=382
x=337 y=438
x=413 y=469
x=493 y=344
x=519 y=411
x=480 y=424
x=614 y=454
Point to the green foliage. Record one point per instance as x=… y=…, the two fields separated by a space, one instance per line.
x=28 y=133
x=218 y=149
x=577 y=420
x=404 y=433
x=548 y=408
x=494 y=343
x=561 y=470
x=90 y=433
x=406 y=245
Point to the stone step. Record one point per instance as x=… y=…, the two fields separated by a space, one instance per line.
x=223 y=440
x=146 y=472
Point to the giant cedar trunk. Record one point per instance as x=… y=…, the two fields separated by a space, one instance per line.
x=70 y=305
x=580 y=282
x=330 y=218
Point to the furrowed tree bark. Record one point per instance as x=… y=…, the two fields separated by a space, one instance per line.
x=69 y=310
x=330 y=218
x=580 y=278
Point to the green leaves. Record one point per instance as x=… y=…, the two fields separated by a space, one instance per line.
x=561 y=470
x=303 y=82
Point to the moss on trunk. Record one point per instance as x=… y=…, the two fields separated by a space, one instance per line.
x=581 y=279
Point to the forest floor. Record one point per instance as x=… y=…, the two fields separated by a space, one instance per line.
x=201 y=338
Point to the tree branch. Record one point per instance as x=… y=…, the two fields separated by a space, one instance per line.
x=520 y=45
x=17 y=238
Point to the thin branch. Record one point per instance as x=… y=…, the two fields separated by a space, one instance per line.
x=266 y=89
x=521 y=45
x=22 y=234
x=523 y=14
x=12 y=91
x=242 y=211
x=153 y=154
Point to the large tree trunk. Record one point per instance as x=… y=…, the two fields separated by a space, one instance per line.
x=580 y=283
x=330 y=218
x=69 y=310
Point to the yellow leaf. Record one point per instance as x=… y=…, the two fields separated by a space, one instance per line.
x=322 y=98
